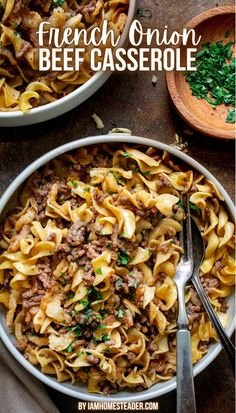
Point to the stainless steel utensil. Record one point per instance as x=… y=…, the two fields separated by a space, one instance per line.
x=185 y=384
x=199 y=249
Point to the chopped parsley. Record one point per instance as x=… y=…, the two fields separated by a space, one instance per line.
x=110 y=245
x=70 y=295
x=94 y=295
x=103 y=326
x=118 y=179
x=127 y=155
x=146 y=173
x=106 y=337
x=123 y=258
x=84 y=303
x=99 y=271
x=231 y=116
x=121 y=313
x=74 y=184
x=87 y=189
x=119 y=282
x=214 y=78
x=88 y=313
x=77 y=330
x=69 y=349
x=180 y=204
x=59 y=3
x=195 y=208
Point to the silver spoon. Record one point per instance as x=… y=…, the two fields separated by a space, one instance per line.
x=199 y=250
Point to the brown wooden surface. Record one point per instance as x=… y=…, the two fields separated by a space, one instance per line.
x=130 y=100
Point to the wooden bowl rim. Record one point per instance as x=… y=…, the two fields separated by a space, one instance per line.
x=182 y=110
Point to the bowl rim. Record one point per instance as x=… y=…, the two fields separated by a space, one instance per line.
x=8 y=115
x=14 y=186
x=181 y=108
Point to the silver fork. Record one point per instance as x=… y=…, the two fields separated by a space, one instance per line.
x=185 y=384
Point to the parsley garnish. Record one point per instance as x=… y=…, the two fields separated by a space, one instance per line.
x=59 y=3
x=195 y=208
x=118 y=179
x=88 y=313
x=127 y=155
x=110 y=245
x=231 y=116
x=106 y=337
x=99 y=271
x=121 y=313
x=74 y=184
x=70 y=295
x=146 y=173
x=123 y=258
x=180 y=204
x=94 y=295
x=86 y=189
x=76 y=329
x=119 y=282
x=214 y=78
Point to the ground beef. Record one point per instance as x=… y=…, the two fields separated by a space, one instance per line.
x=76 y=233
x=34 y=300
x=209 y=283
x=45 y=273
x=92 y=359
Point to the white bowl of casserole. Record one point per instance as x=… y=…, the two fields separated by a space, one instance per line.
x=11 y=117
x=8 y=201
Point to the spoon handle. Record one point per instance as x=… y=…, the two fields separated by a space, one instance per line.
x=224 y=339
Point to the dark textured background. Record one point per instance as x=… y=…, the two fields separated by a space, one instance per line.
x=131 y=101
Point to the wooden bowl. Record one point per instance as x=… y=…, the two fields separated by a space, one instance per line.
x=198 y=113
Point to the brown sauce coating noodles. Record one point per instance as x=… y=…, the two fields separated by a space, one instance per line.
x=87 y=260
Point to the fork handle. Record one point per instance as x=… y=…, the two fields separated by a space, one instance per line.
x=224 y=339
x=185 y=386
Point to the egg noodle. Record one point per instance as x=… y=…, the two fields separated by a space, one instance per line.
x=87 y=263
x=22 y=86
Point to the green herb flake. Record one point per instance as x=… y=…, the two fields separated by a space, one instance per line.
x=231 y=116
x=118 y=282
x=94 y=295
x=74 y=184
x=146 y=173
x=99 y=316
x=70 y=295
x=84 y=303
x=118 y=179
x=103 y=326
x=16 y=34
x=106 y=337
x=77 y=330
x=127 y=155
x=69 y=349
x=86 y=189
x=121 y=313
x=123 y=258
x=99 y=271
x=195 y=208
x=88 y=313
x=110 y=245
x=59 y=3
x=227 y=34
x=180 y=204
